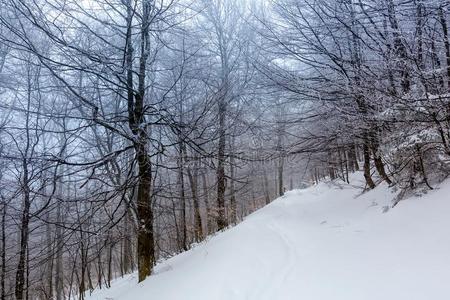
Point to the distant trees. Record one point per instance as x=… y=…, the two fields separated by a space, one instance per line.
x=364 y=76
x=126 y=132
x=130 y=129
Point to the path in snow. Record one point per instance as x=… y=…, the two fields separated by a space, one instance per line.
x=319 y=243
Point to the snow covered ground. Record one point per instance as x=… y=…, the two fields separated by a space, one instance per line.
x=325 y=242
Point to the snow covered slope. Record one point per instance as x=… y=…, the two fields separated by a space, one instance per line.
x=325 y=242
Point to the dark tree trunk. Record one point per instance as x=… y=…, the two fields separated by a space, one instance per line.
x=99 y=267
x=233 y=205
x=110 y=257
x=366 y=154
x=280 y=176
x=3 y=275
x=331 y=168
x=379 y=165
x=59 y=277
x=361 y=103
x=24 y=232
x=137 y=124
x=145 y=244
x=422 y=167
x=50 y=257
x=184 y=241
x=266 y=185
x=443 y=22
x=419 y=31
x=209 y=220
x=280 y=151
x=436 y=63
x=346 y=165
x=399 y=47
x=221 y=180
x=83 y=256
x=353 y=161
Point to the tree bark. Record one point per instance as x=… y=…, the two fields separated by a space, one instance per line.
x=193 y=182
x=221 y=180
x=366 y=154
x=444 y=26
x=399 y=47
x=379 y=165
x=233 y=205
x=59 y=276
x=50 y=255
x=3 y=253
x=266 y=184
x=145 y=244
x=209 y=221
x=137 y=124
x=184 y=242
x=353 y=161
x=25 y=219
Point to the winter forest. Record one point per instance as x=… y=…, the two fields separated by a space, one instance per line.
x=131 y=130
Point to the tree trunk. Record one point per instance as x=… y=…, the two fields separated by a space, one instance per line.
x=137 y=124
x=209 y=221
x=379 y=165
x=346 y=165
x=221 y=180
x=99 y=268
x=3 y=253
x=184 y=242
x=419 y=31
x=110 y=256
x=399 y=47
x=59 y=276
x=443 y=21
x=422 y=167
x=280 y=150
x=193 y=182
x=50 y=255
x=331 y=169
x=145 y=243
x=266 y=184
x=83 y=257
x=366 y=154
x=233 y=205
x=127 y=247
x=353 y=161
x=24 y=232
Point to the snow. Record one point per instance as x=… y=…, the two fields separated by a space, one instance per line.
x=325 y=242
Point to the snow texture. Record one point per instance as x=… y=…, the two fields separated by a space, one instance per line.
x=325 y=242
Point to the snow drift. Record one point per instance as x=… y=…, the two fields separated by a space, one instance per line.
x=325 y=242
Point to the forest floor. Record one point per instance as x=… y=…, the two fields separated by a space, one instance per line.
x=327 y=242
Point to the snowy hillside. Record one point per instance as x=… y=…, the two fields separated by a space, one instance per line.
x=324 y=242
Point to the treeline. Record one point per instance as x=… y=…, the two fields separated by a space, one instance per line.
x=132 y=129
x=374 y=77
x=129 y=130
